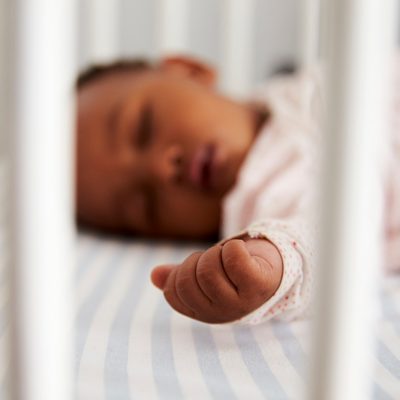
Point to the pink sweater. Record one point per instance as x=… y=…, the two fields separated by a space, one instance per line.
x=274 y=193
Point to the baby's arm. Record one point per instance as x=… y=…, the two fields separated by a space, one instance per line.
x=223 y=283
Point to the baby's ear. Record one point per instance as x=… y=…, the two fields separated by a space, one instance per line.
x=190 y=67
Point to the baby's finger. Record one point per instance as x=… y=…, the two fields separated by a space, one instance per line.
x=213 y=280
x=188 y=289
x=172 y=297
x=160 y=274
x=177 y=291
x=240 y=266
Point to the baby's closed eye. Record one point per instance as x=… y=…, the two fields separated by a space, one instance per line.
x=144 y=131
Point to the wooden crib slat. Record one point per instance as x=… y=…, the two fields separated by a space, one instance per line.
x=359 y=40
x=41 y=198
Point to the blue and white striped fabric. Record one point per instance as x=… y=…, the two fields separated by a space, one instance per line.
x=131 y=345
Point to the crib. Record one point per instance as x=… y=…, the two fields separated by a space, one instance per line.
x=100 y=331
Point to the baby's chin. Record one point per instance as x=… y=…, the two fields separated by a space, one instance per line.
x=188 y=236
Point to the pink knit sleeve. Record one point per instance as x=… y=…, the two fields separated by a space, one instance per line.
x=392 y=206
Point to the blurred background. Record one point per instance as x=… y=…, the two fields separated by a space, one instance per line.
x=275 y=32
x=113 y=29
x=246 y=44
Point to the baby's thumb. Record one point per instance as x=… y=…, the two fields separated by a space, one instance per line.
x=160 y=274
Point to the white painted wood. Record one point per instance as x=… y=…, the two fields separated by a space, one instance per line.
x=172 y=26
x=102 y=30
x=310 y=32
x=237 y=46
x=41 y=198
x=3 y=80
x=359 y=42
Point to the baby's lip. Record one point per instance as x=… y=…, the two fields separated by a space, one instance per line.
x=203 y=167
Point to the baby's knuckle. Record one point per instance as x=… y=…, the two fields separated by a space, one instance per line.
x=170 y=296
x=206 y=272
x=184 y=286
x=233 y=252
x=211 y=256
x=206 y=280
x=184 y=292
x=238 y=245
x=193 y=258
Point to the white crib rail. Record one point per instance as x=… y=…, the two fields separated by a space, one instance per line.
x=41 y=222
x=237 y=46
x=310 y=32
x=359 y=37
x=102 y=30
x=172 y=26
x=41 y=195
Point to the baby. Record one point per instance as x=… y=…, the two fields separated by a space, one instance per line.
x=160 y=153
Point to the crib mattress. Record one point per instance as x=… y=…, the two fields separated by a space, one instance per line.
x=131 y=345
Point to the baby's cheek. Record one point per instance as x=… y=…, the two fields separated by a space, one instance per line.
x=189 y=215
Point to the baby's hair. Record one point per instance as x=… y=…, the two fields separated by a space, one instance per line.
x=95 y=72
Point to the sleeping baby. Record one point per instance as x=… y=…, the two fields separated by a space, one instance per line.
x=161 y=154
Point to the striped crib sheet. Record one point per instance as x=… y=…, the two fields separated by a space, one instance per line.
x=131 y=345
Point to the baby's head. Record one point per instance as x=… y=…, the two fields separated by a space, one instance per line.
x=158 y=148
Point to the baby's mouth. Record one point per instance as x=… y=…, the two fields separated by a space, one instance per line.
x=202 y=166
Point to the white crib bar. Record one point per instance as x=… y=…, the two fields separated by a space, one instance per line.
x=360 y=34
x=237 y=46
x=3 y=82
x=310 y=32
x=102 y=30
x=172 y=26
x=41 y=225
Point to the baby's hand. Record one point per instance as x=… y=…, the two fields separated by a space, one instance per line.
x=223 y=283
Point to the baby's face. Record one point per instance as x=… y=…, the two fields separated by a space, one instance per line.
x=156 y=153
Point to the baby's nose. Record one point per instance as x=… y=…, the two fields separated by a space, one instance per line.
x=169 y=164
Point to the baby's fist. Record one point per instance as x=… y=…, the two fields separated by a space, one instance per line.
x=223 y=283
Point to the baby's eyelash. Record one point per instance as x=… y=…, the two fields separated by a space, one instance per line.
x=144 y=129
